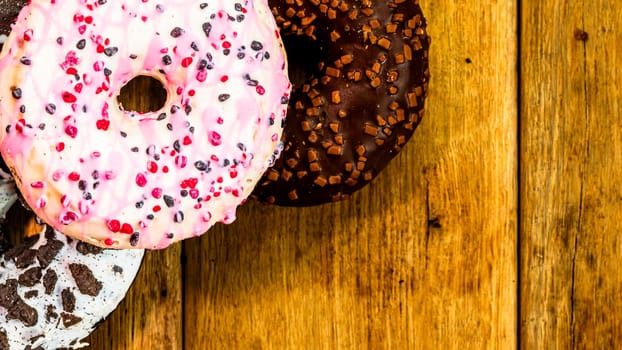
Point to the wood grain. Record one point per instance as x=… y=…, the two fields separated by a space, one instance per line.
x=570 y=171
x=426 y=257
x=423 y=258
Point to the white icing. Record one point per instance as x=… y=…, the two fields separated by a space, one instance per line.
x=115 y=269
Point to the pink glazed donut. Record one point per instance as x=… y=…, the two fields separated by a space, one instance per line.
x=124 y=179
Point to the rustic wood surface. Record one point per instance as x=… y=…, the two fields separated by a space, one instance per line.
x=571 y=165
x=497 y=227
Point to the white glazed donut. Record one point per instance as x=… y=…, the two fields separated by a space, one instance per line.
x=55 y=290
x=123 y=179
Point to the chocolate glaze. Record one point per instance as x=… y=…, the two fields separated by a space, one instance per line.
x=360 y=74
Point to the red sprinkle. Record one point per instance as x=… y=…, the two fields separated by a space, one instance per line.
x=108 y=242
x=64 y=201
x=127 y=229
x=186 y=62
x=71 y=131
x=189 y=183
x=60 y=146
x=19 y=126
x=201 y=76
x=109 y=175
x=28 y=35
x=194 y=193
x=103 y=124
x=181 y=161
x=156 y=192
x=69 y=97
x=73 y=176
x=187 y=140
x=37 y=184
x=214 y=138
x=113 y=225
x=152 y=166
x=141 y=180
x=70 y=217
x=260 y=90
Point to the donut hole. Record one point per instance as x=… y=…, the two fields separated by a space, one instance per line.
x=142 y=94
x=304 y=57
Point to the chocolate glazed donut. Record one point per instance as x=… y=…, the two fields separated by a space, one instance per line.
x=360 y=74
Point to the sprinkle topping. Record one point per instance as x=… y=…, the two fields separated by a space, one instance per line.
x=141 y=176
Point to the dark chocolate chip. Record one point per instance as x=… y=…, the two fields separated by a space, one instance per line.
x=111 y=51
x=168 y=200
x=256 y=45
x=207 y=28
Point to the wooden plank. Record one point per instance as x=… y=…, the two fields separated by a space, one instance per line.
x=423 y=258
x=571 y=164
x=150 y=316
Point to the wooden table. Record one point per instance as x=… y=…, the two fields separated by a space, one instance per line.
x=497 y=227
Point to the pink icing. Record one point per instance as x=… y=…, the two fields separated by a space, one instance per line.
x=124 y=179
